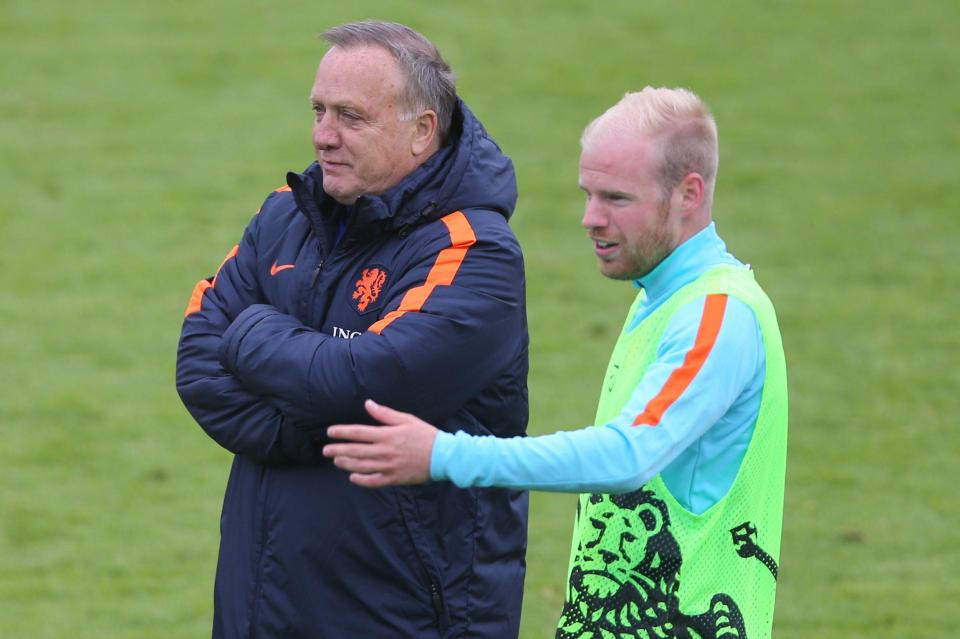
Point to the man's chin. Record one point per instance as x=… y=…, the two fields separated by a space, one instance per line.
x=621 y=271
x=612 y=271
x=339 y=192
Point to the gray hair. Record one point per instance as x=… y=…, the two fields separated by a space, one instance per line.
x=430 y=83
x=680 y=122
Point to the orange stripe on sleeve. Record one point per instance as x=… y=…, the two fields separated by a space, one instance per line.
x=680 y=379
x=442 y=272
x=197 y=296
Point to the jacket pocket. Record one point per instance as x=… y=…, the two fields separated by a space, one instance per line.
x=425 y=554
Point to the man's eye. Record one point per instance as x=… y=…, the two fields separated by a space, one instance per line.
x=351 y=116
x=319 y=110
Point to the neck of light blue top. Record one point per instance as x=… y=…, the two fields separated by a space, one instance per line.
x=691 y=259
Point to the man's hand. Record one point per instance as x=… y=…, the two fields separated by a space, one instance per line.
x=394 y=454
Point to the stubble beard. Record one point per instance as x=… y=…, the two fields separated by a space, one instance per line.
x=649 y=250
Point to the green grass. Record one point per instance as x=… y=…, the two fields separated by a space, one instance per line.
x=137 y=140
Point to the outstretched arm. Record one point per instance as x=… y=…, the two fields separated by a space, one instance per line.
x=659 y=422
x=396 y=453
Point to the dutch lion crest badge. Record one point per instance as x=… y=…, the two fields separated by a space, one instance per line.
x=367 y=287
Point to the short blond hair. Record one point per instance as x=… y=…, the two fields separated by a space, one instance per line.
x=678 y=120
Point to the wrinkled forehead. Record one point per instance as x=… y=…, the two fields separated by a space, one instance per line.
x=362 y=72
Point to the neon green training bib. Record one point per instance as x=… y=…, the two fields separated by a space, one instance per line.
x=642 y=566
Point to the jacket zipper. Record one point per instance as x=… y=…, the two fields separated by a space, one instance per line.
x=316 y=273
x=436 y=600
x=261 y=553
x=340 y=248
x=437 y=603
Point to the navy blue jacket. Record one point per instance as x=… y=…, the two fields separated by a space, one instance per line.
x=419 y=305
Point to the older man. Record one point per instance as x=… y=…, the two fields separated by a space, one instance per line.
x=680 y=532
x=385 y=270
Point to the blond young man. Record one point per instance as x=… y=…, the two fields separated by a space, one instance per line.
x=678 y=530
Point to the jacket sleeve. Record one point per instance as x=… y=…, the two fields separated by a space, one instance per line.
x=238 y=420
x=456 y=321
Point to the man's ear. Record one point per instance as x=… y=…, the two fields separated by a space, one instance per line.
x=425 y=132
x=690 y=193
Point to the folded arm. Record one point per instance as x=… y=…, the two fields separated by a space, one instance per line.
x=240 y=421
x=451 y=327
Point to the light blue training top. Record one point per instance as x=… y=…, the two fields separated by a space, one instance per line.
x=701 y=438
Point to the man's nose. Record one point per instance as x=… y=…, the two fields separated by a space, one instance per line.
x=325 y=135
x=593 y=216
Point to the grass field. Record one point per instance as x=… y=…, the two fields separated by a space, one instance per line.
x=136 y=139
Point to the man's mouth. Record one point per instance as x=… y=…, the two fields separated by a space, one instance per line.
x=331 y=164
x=603 y=248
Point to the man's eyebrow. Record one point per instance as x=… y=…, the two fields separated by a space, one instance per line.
x=615 y=193
x=314 y=101
x=606 y=193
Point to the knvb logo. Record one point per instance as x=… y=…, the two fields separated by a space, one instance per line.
x=368 y=287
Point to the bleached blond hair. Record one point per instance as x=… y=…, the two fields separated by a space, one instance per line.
x=677 y=120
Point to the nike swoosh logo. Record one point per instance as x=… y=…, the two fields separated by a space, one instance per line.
x=282 y=267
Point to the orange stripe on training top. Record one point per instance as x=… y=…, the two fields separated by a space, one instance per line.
x=679 y=379
x=197 y=296
x=441 y=274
